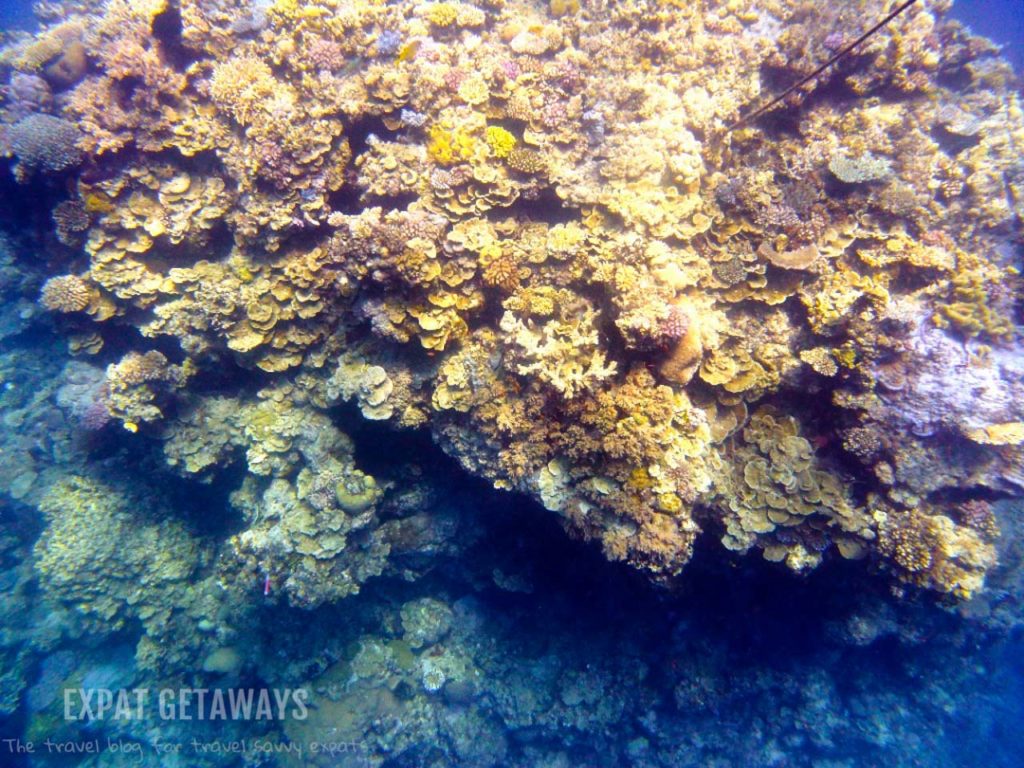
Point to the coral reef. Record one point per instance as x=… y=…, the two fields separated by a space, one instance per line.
x=528 y=229
x=313 y=524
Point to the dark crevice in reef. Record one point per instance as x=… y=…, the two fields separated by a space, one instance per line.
x=955 y=79
x=380 y=449
x=955 y=496
x=218 y=244
x=124 y=89
x=205 y=507
x=167 y=30
x=26 y=207
x=785 y=118
x=489 y=315
x=222 y=374
x=952 y=143
x=546 y=207
x=202 y=506
x=123 y=338
x=205 y=162
x=359 y=133
x=349 y=199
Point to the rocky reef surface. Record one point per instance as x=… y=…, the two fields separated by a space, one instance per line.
x=288 y=286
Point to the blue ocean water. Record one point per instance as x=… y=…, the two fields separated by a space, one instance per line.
x=476 y=632
x=1001 y=21
x=17 y=15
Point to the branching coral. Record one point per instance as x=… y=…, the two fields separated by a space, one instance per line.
x=932 y=551
x=561 y=350
x=138 y=384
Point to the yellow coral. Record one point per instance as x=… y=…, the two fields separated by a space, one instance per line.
x=971 y=310
x=442 y=14
x=473 y=90
x=448 y=146
x=499 y=140
x=560 y=8
x=241 y=85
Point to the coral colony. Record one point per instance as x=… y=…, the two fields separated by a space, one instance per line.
x=543 y=236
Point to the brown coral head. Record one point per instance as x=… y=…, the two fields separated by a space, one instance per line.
x=503 y=273
x=135 y=368
x=71 y=219
x=527 y=161
x=980 y=516
x=65 y=293
x=68 y=68
x=687 y=347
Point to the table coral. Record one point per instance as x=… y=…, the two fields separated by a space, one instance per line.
x=44 y=143
x=781 y=499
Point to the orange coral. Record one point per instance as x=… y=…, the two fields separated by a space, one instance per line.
x=65 y=293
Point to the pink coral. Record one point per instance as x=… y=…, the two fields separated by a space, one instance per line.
x=96 y=415
x=674 y=326
x=325 y=54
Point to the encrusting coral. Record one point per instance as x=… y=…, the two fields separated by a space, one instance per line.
x=118 y=558
x=528 y=228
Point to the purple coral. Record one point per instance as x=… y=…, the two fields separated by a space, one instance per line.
x=569 y=77
x=834 y=41
x=594 y=125
x=26 y=94
x=412 y=118
x=97 y=415
x=388 y=43
x=510 y=69
x=274 y=165
x=554 y=114
x=84 y=394
x=326 y=54
x=674 y=327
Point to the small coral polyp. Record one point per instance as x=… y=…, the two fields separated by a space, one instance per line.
x=528 y=229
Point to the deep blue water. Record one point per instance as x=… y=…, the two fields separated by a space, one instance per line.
x=16 y=14
x=999 y=20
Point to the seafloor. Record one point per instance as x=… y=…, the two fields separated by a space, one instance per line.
x=498 y=376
